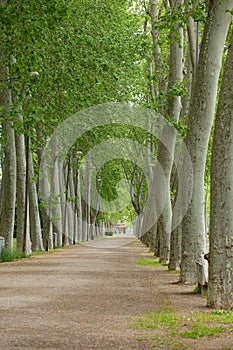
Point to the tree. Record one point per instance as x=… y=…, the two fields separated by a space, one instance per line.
x=220 y=290
x=8 y=185
x=200 y=120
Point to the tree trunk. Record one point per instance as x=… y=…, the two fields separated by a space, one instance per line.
x=201 y=114
x=177 y=214
x=8 y=185
x=167 y=142
x=21 y=186
x=35 y=224
x=56 y=207
x=220 y=291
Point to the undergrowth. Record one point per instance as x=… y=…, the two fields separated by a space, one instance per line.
x=10 y=255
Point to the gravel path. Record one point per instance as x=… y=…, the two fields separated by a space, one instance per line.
x=85 y=297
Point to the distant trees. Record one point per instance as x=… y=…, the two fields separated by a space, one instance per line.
x=56 y=58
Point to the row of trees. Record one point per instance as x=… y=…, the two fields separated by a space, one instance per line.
x=56 y=59
x=188 y=240
x=170 y=57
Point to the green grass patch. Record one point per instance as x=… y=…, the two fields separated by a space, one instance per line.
x=199 y=330
x=150 y=262
x=140 y=339
x=173 y=271
x=217 y=317
x=170 y=325
x=156 y=320
x=10 y=255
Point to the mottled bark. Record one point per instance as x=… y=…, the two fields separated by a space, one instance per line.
x=201 y=114
x=8 y=185
x=166 y=146
x=220 y=288
x=35 y=223
x=56 y=207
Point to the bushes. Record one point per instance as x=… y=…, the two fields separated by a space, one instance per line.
x=108 y=233
x=10 y=255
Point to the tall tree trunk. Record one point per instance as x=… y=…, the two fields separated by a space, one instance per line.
x=166 y=147
x=88 y=196
x=21 y=186
x=57 y=206
x=79 y=210
x=35 y=224
x=45 y=211
x=220 y=291
x=201 y=114
x=8 y=185
x=177 y=214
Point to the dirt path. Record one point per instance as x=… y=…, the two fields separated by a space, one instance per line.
x=86 y=297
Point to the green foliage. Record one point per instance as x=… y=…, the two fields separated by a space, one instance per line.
x=108 y=233
x=8 y=255
x=78 y=49
x=197 y=289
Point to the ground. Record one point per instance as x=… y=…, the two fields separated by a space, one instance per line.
x=90 y=296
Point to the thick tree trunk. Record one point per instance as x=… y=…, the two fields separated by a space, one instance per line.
x=220 y=289
x=201 y=114
x=8 y=185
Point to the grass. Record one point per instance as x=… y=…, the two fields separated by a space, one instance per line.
x=200 y=330
x=170 y=325
x=217 y=317
x=156 y=320
x=149 y=262
x=8 y=255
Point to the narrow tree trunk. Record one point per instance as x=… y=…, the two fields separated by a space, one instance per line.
x=88 y=196
x=57 y=206
x=220 y=289
x=79 y=211
x=45 y=211
x=35 y=224
x=21 y=186
x=167 y=142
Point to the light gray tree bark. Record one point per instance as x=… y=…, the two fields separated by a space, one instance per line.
x=177 y=215
x=8 y=185
x=35 y=223
x=220 y=287
x=166 y=145
x=201 y=114
x=20 y=185
x=56 y=207
x=79 y=209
